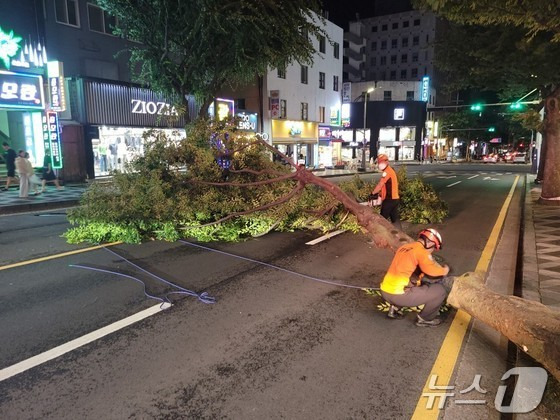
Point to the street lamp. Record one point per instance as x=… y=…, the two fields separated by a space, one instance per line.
x=366 y=93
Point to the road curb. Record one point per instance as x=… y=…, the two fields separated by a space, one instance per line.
x=22 y=208
x=530 y=273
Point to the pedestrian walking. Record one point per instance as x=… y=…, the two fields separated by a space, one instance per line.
x=23 y=171
x=10 y=159
x=34 y=180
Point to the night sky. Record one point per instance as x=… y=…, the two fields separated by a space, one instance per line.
x=343 y=11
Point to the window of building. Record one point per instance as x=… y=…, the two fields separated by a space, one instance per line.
x=304 y=111
x=409 y=95
x=393 y=75
x=374 y=46
x=383 y=60
x=383 y=45
x=404 y=58
x=335 y=83
x=403 y=74
x=372 y=75
x=415 y=40
x=322 y=114
x=374 y=29
x=321 y=80
x=336 y=47
x=425 y=71
x=373 y=61
x=99 y=20
x=363 y=50
x=304 y=74
x=404 y=42
x=405 y=24
x=281 y=73
x=283 y=108
x=66 y=11
x=416 y=22
x=394 y=43
x=387 y=95
x=414 y=57
x=393 y=59
x=383 y=75
x=240 y=103
x=427 y=38
x=322 y=44
x=414 y=73
x=395 y=25
x=383 y=27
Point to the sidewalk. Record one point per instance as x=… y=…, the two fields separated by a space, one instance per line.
x=541 y=249
x=10 y=202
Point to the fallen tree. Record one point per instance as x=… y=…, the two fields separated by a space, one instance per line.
x=216 y=176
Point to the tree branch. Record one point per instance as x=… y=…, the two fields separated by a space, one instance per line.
x=281 y=200
x=247 y=184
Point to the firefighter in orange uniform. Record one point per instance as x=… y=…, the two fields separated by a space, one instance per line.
x=401 y=288
x=388 y=188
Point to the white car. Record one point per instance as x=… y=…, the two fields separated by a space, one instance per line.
x=520 y=157
x=491 y=158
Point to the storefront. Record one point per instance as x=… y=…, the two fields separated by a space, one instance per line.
x=116 y=120
x=397 y=127
x=297 y=139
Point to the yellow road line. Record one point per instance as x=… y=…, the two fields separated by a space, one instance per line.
x=52 y=257
x=449 y=352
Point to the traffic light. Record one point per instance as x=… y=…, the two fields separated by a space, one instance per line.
x=516 y=106
x=491 y=129
x=476 y=107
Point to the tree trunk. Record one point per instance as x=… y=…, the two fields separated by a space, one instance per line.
x=542 y=159
x=530 y=325
x=203 y=112
x=383 y=233
x=551 y=174
x=534 y=327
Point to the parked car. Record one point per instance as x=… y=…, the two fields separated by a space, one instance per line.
x=491 y=158
x=520 y=157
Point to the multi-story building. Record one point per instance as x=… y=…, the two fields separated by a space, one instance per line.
x=98 y=116
x=301 y=104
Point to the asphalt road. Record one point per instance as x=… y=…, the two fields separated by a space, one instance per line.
x=274 y=345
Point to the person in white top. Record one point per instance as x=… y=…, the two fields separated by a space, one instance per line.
x=23 y=171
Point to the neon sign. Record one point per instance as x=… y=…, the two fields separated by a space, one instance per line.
x=56 y=86
x=9 y=46
x=425 y=88
x=21 y=91
x=51 y=138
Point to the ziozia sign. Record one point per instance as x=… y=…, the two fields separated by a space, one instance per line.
x=152 y=108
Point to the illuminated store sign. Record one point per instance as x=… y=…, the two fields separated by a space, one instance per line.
x=247 y=121
x=21 y=91
x=398 y=114
x=335 y=116
x=222 y=109
x=152 y=108
x=51 y=138
x=425 y=88
x=275 y=104
x=16 y=55
x=345 y=115
x=56 y=86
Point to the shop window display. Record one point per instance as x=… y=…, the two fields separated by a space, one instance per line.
x=117 y=146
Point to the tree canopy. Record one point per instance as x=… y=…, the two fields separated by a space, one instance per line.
x=197 y=46
x=532 y=16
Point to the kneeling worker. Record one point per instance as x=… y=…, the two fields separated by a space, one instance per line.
x=399 y=289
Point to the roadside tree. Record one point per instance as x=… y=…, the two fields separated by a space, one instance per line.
x=513 y=46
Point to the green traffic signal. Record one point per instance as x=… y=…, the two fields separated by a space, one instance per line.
x=476 y=107
x=516 y=106
x=491 y=129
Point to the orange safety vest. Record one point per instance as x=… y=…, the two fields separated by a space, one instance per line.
x=407 y=259
x=389 y=184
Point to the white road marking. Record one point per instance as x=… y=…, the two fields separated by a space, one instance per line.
x=471 y=177
x=325 y=237
x=455 y=183
x=79 y=342
x=489 y=178
x=447 y=177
